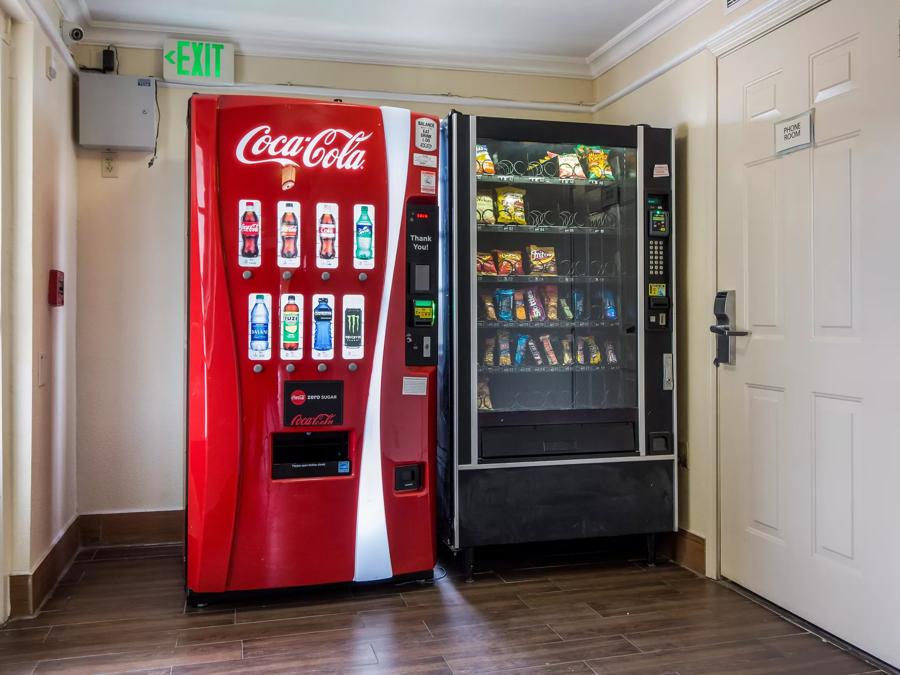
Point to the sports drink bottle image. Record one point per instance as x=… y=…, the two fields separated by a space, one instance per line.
x=290 y=325
x=363 y=232
x=323 y=322
x=259 y=325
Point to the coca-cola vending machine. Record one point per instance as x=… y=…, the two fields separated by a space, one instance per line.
x=312 y=309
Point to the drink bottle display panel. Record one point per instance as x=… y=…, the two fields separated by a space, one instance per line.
x=322 y=327
x=249 y=233
x=291 y=327
x=326 y=235
x=352 y=344
x=259 y=327
x=363 y=236
x=288 y=234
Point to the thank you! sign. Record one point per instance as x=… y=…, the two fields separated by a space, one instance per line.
x=198 y=61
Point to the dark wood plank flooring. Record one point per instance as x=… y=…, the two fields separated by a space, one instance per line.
x=122 y=610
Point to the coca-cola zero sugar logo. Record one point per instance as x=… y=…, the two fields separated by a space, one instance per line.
x=336 y=148
x=298 y=397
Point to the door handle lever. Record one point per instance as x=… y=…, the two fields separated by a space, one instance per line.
x=728 y=332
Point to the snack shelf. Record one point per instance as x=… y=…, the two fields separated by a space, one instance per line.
x=546 y=229
x=573 y=368
x=543 y=279
x=547 y=324
x=541 y=180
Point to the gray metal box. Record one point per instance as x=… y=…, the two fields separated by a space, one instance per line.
x=116 y=112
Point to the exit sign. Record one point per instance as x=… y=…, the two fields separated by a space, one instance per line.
x=198 y=62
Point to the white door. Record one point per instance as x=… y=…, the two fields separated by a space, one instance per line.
x=809 y=416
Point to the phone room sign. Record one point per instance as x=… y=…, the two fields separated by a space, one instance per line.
x=794 y=133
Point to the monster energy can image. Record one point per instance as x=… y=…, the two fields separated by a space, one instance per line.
x=352 y=343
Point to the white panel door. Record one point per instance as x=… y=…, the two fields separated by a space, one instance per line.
x=809 y=416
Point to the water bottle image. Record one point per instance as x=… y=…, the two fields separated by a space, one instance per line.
x=364 y=234
x=259 y=325
x=323 y=317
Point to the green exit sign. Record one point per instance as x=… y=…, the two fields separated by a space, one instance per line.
x=198 y=62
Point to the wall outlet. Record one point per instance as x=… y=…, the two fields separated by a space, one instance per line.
x=109 y=166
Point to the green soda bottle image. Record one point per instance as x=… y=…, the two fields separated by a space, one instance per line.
x=364 y=234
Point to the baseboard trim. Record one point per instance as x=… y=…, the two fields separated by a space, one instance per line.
x=27 y=592
x=131 y=529
x=690 y=551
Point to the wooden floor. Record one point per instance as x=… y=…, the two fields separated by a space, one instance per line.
x=122 y=610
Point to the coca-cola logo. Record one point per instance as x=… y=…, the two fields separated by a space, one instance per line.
x=249 y=227
x=298 y=397
x=320 y=420
x=336 y=148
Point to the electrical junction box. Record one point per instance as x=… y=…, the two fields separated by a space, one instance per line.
x=116 y=112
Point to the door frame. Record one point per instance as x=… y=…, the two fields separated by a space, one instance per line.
x=766 y=19
x=6 y=159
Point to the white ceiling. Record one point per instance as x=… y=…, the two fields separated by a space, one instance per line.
x=565 y=37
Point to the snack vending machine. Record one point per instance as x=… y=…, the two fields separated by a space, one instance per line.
x=560 y=375
x=312 y=343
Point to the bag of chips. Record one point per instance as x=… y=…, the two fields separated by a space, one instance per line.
x=483 y=161
x=550 y=295
x=484 y=208
x=503 y=342
x=519 y=301
x=511 y=205
x=484 y=396
x=569 y=165
x=505 y=304
x=490 y=343
x=509 y=263
x=596 y=161
x=484 y=264
x=547 y=167
x=541 y=260
x=490 y=311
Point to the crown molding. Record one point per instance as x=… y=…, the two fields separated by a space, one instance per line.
x=655 y=23
x=758 y=22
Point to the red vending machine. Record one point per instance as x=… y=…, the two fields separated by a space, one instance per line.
x=312 y=347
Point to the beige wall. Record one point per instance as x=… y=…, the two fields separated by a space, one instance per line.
x=39 y=236
x=690 y=94
x=132 y=272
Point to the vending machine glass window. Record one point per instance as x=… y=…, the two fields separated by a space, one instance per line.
x=556 y=265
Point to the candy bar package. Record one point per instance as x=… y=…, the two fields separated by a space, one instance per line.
x=490 y=342
x=521 y=343
x=519 y=301
x=609 y=306
x=535 y=352
x=503 y=343
x=509 y=263
x=511 y=205
x=596 y=161
x=484 y=264
x=594 y=355
x=548 y=350
x=487 y=303
x=484 y=208
x=611 y=356
x=484 y=395
x=483 y=161
x=578 y=304
x=579 y=351
x=567 y=350
x=541 y=260
x=550 y=295
x=566 y=309
x=535 y=308
x=505 y=304
x=569 y=165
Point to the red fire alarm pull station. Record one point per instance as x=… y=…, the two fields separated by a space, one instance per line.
x=55 y=289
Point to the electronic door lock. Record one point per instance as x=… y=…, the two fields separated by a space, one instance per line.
x=724 y=330
x=728 y=332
